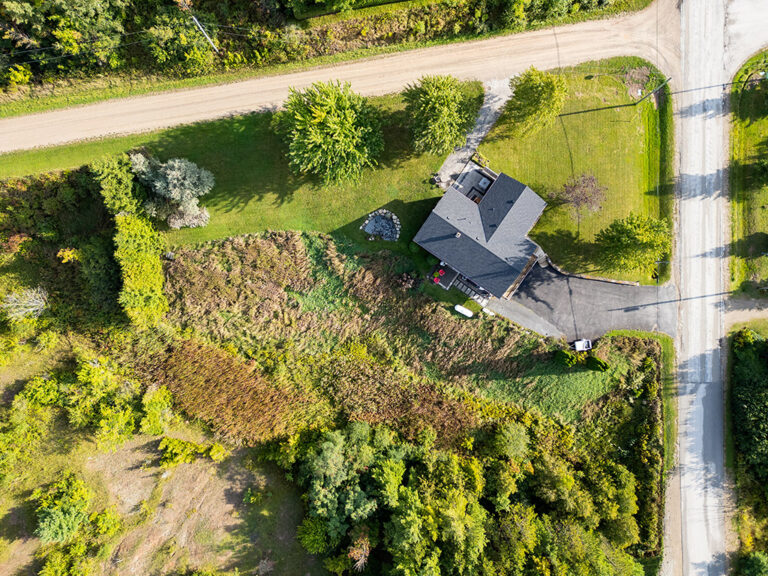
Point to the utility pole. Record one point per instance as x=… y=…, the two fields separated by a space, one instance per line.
x=652 y=92
x=185 y=6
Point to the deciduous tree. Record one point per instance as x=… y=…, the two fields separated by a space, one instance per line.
x=538 y=98
x=583 y=193
x=331 y=132
x=438 y=112
x=635 y=242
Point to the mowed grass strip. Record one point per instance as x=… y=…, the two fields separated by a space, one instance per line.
x=602 y=132
x=749 y=178
x=255 y=188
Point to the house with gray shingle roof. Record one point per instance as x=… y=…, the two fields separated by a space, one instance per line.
x=479 y=232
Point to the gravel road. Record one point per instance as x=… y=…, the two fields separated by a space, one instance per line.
x=702 y=207
x=486 y=60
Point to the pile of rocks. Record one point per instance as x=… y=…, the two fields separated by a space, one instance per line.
x=382 y=223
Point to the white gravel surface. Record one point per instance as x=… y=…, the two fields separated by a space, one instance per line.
x=702 y=125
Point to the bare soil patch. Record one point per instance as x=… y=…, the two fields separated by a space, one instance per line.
x=636 y=79
x=195 y=515
x=130 y=474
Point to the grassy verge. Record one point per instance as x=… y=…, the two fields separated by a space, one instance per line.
x=749 y=178
x=87 y=91
x=603 y=131
x=669 y=392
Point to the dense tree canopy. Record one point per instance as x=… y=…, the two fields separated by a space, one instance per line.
x=635 y=242
x=438 y=112
x=505 y=507
x=331 y=132
x=62 y=509
x=537 y=99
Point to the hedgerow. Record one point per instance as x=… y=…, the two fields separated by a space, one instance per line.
x=749 y=400
x=115 y=179
x=137 y=252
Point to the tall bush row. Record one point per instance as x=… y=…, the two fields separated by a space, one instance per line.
x=137 y=251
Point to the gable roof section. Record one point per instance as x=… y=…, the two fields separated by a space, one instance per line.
x=485 y=242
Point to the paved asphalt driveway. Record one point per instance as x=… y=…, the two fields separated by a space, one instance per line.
x=582 y=308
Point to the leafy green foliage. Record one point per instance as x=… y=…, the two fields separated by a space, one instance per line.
x=62 y=509
x=42 y=391
x=115 y=180
x=99 y=395
x=137 y=251
x=313 y=535
x=22 y=429
x=749 y=400
x=595 y=363
x=17 y=75
x=566 y=358
x=176 y=451
x=217 y=452
x=635 y=242
x=115 y=427
x=87 y=29
x=331 y=132
x=538 y=98
x=438 y=112
x=174 y=44
x=754 y=564
x=156 y=404
x=106 y=523
x=425 y=510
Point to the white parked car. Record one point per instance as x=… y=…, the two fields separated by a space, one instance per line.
x=582 y=345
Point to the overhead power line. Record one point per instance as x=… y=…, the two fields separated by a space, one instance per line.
x=48 y=48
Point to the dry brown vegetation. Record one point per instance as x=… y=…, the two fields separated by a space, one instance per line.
x=196 y=515
x=326 y=333
x=219 y=388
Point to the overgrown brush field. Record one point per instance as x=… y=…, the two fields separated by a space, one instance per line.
x=301 y=305
x=337 y=330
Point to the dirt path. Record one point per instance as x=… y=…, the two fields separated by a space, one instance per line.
x=652 y=34
x=740 y=310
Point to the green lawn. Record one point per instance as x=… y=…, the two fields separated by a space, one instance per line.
x=557 y=390
x=255 y=190
x=749 y=179
x=601 y=132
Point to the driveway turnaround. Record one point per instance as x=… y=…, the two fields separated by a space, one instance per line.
x=582 y=308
